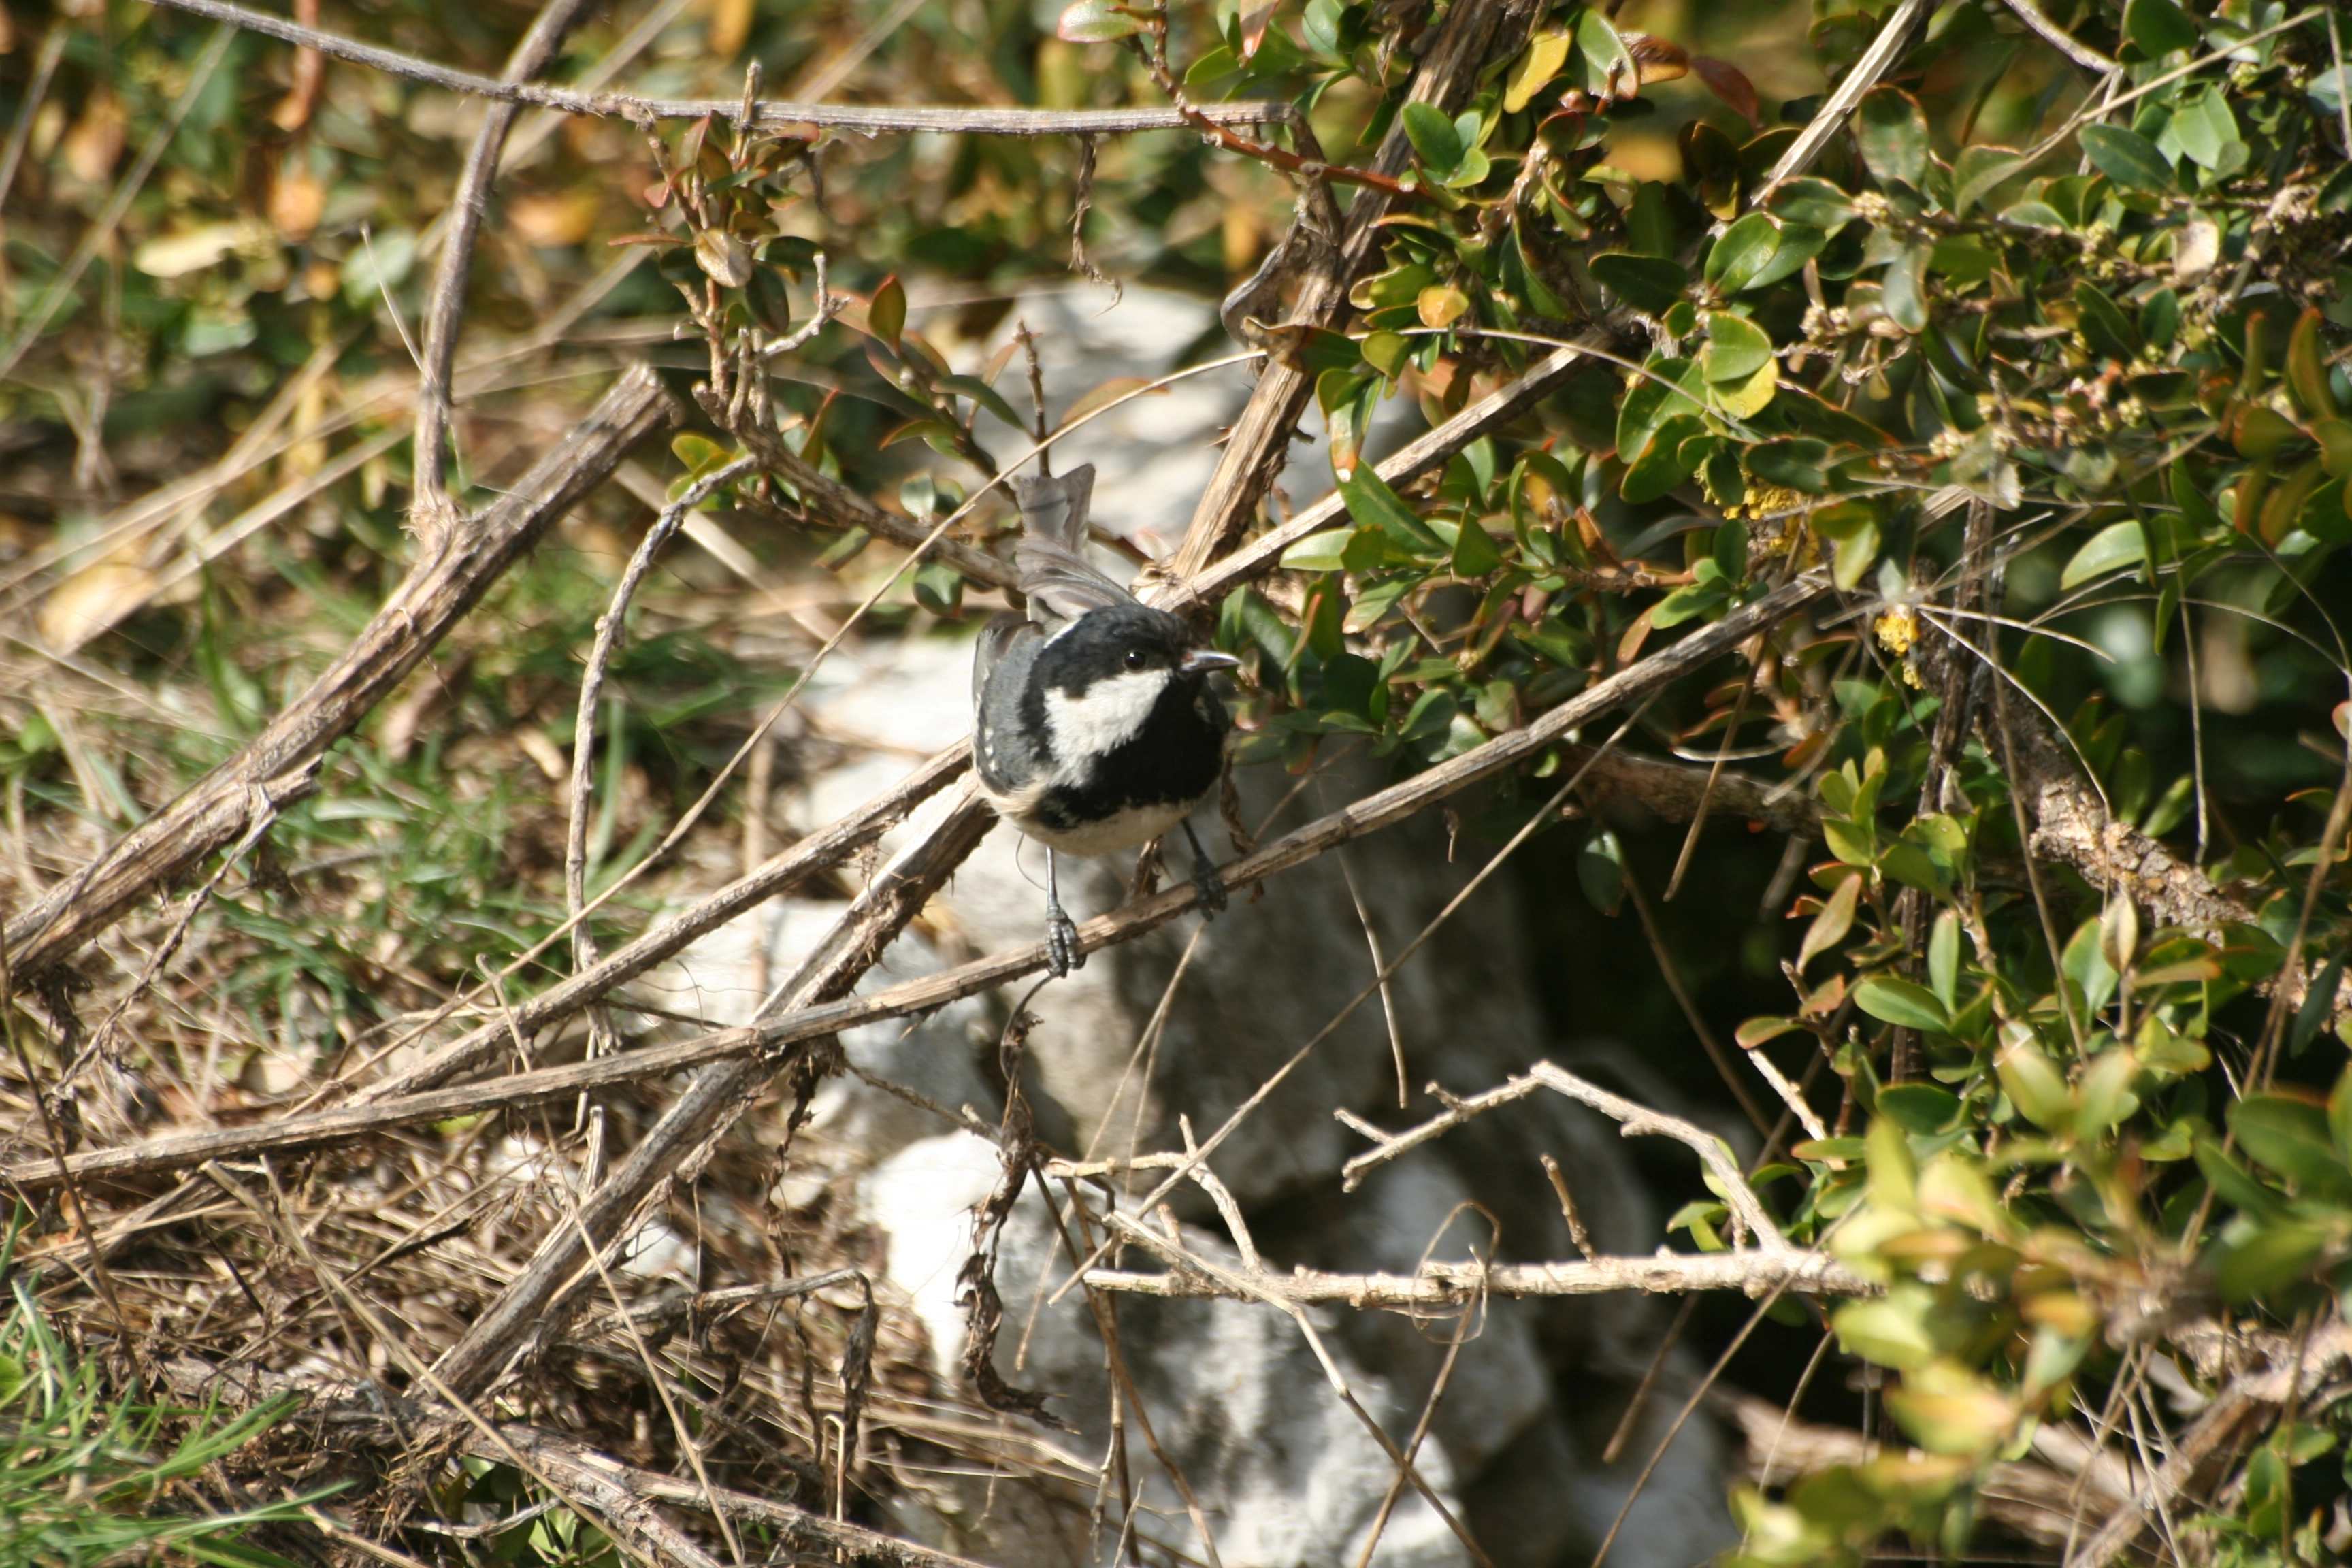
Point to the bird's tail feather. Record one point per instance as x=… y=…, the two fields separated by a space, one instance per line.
x=1054 y=507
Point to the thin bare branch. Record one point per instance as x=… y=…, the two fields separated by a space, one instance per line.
x=1450 y=1285
x=2292 y=1376
x=2058 y=39
x=1637 y=1120
x=787 y=118
x=1893 y=40
x=812 y=1021
x=281 y=764
x=444 y=306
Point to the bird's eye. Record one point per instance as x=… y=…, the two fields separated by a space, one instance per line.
x=1135 y=659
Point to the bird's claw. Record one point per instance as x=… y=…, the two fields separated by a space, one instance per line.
x=1211 y=887
x=1062 y=954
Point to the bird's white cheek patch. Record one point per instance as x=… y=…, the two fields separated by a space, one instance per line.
x=1105 y=716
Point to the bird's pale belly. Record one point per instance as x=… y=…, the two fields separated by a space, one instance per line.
x=1123 y=829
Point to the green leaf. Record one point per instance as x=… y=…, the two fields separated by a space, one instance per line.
x=939 y=588
x=2318 y=1000
x=2233 y=1183
x=1688 y=603
x=1921 y=1108
x=1745 y=249
x=2291 y=1137
x=1736 y=348
x=1894 y=135
x=2034 y=1084
x=2202 y=129
x=2104 y=327
x=2114 y=547
x=1901 y=1003
x=1894 y=1173
x=1798 y=462
x=1651 y=402
x=1977 y=171
x=1812 y=200
x=1649 y=284
x=1097 y=22
x=1602 y=59
x=2279 y=1252
x=985 y=396
x=1944 y=958
x=1906 y=297
x=1660 y=467
x=1800 y=243
x=1318 y=551
x=1433 y=137
x=1891 y=1331
x=887 y=315
x=1541 y=61
x=1475 y=554
x=2127 y=157
x=2159 y=27
x=1371 y=501
x=1829 y=927
x=1601 y=871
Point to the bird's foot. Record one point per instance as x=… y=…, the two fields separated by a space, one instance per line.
x=1062 y=954
x=1209 y=886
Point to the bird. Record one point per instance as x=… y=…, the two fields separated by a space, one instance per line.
x=1094 y=727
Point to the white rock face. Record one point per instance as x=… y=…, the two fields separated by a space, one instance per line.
x=1286 y=1474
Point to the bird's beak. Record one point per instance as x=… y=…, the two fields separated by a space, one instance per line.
x=1202 y=661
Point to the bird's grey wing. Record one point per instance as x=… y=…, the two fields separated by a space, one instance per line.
x=1051 y=558
x=1004 y=633
x=1000 y=668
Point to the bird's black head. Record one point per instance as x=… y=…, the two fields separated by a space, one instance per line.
x=1098 y=681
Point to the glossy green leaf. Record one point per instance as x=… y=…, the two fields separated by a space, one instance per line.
x=1097 y=22
x=1800 y=243
x=1741 y=252
x=1944 y=958
x=2112 y=549
x=1830 y=926
x=2104 y=327
x=1318 y=551
x=2291 y=1138
x=2034 y=1084
x=1894 y=135
x=1475 y=554
x=1433 y=137
x=1906 y=297
x=1660 y=467
x=1369 y=501
x=1978 y=171
x=1921 y=1108
x=2127 y=157
x=1601 y=872
x=1902 y=1002
x=1649 y=283
x=887 y=314
x=1736 y=348
x=1812 y=200
x=1890 y=1331
x=2159 y=27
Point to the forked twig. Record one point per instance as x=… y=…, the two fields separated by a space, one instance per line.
x=1636 y=1121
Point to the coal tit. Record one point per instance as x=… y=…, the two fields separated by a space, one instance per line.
x=1094 y=726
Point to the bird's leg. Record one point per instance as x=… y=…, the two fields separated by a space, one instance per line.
x=1210 y=886
x=1062 y=954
